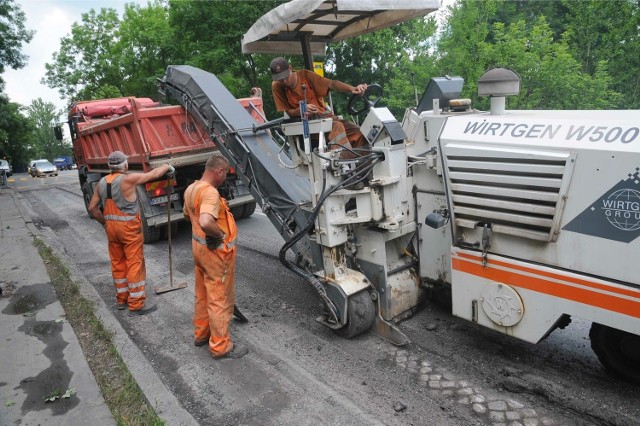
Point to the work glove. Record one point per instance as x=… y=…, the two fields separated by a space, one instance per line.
x=213 y=242
x=172 y=171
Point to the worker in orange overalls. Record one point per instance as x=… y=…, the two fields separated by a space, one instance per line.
x=287 y=90
x=213 y=232
x=121 y=219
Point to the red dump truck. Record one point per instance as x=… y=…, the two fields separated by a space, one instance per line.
x=150 y=134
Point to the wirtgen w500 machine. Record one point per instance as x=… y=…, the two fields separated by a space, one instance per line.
x=529 y=217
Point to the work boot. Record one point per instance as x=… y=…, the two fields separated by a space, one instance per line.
x=200 y=342
x=238 y=351
x=145 y=310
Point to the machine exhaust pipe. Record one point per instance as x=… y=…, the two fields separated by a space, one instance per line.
x=499 y=83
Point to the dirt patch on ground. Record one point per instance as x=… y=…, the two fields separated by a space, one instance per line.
x=122 y=394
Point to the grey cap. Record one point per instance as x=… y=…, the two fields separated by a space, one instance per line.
x=117 y=157
x=279 y=69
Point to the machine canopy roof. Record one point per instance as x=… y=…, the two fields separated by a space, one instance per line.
x=300 y=25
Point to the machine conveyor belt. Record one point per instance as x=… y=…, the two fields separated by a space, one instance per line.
x=254 y=155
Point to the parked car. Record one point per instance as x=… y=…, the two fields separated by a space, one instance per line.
x=4 y=165
x=41 y=168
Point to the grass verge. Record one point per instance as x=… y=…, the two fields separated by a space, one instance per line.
x=121 y=392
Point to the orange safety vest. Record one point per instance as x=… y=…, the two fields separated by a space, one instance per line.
x=225 y=219
x=111 y=210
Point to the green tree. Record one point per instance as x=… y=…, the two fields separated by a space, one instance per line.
x=561 y=49
x=13 y=35
x=462 y=46
x=602 y=36
x=551 y=78
x=16 y=134
x=145 y=46
x=87 y=66
x=43 y=117
x=219 y=52
x=15 y=130
x=601 y=31
x=106 y=57
x=385 y=57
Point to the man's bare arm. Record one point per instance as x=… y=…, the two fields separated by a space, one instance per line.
x=135 y=179
x=94 y=208
x=209 y=225
x=339 y=86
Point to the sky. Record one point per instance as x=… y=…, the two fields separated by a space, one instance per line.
x=52 y=20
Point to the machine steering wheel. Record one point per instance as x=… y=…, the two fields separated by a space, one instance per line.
x=368 y=100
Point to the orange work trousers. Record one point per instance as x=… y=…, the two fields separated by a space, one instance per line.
x=214 y=296
x=126 y=251
x=346 y=134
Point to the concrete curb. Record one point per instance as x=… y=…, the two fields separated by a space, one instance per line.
x=157 y=394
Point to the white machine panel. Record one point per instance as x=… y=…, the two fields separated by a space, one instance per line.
x=565 y=182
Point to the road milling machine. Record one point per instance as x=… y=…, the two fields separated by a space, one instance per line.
x=528 y=218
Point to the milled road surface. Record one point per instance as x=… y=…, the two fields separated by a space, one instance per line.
x=299 y=373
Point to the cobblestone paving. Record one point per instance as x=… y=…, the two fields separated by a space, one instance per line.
x=488 y=408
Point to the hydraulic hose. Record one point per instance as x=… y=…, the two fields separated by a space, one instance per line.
x=307 y=275
x=315 y=282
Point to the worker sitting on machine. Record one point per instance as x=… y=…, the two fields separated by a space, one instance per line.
x=290 y=87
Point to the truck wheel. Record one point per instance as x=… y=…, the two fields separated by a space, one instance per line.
x=87 y=194
x=248 y=209
x=151 y=233
x=164 y=231
x=361 y=313
x=237 y=212
x=617 y=350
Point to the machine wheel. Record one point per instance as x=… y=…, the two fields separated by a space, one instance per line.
x=248 y=209
x=617 y=350
x=151 y=233
x=361 y=312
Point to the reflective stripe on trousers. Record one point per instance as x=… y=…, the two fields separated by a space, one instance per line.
x=230 y=244
x=119 y=218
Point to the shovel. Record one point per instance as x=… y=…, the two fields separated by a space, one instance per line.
x=239 y=316
x=171 y=286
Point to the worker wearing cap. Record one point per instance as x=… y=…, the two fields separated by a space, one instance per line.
x=121 y=219
x=213 y=232
x=287 y=89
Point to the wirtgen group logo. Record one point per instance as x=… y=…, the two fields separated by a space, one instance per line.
x=622 y=209
x=615 y=215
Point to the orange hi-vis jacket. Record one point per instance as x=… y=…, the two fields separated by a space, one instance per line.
x=126 y=242
x=214 y=268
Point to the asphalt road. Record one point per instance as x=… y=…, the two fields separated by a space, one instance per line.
x=299 y=373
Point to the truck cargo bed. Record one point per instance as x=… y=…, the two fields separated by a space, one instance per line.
x=148 y=134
